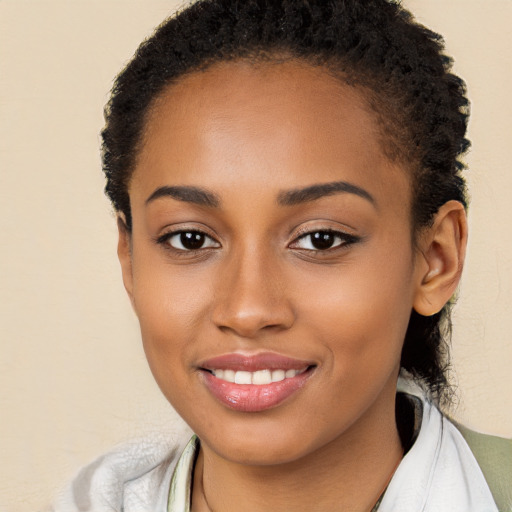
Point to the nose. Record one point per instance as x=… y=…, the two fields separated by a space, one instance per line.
x=251 y=297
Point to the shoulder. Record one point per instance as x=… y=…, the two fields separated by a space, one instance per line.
x=133 y=477
x=472 y=469
x=494 y=456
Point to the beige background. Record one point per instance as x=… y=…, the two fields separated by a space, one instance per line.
x=73 y=379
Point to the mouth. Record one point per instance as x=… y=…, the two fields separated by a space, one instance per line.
x=258 y=378
x=254 y=383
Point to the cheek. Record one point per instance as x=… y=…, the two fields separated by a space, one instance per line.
x=171 y=305
x=361 y=311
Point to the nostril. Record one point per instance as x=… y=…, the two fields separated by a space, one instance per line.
x=248 y=310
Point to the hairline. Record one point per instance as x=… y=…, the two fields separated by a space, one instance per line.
x=332 y=66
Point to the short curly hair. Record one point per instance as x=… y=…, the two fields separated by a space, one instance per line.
x=400 y=65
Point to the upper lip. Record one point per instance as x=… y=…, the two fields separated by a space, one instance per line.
x=254 y=362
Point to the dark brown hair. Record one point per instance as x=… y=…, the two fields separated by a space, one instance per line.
x=376 y=44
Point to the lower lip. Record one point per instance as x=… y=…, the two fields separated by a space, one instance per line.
x=252 y=397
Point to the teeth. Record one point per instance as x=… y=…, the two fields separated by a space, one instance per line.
x=278 y=375
x=262 y=377
x=229 y=375
x=259 y=377
x=243 y=378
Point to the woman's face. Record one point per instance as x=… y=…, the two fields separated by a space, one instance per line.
x=271 y=246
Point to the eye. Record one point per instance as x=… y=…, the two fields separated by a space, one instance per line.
x=323 y=240
x=189 y=240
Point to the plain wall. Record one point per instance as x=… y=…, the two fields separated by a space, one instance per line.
x=73 y=378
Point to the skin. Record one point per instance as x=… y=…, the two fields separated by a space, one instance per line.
x=248 y=133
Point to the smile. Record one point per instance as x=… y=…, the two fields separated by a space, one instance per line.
x=259 y=378
x=254 y=383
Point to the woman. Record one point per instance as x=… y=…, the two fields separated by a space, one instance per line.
x=292 y=227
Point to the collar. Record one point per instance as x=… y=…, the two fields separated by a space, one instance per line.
x=438 y=474
x=181 y=481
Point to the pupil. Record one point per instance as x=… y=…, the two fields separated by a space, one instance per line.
x=192 y=240
x=322 y=240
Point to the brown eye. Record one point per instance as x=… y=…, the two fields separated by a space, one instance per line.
x=323 y=240
x=191 y=241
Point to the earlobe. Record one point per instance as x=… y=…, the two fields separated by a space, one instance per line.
x=442 y=252
x=124 y=253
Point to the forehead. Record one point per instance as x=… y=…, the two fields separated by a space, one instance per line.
x=286 y=123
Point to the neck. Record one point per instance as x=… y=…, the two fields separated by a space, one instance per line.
x=349 y=473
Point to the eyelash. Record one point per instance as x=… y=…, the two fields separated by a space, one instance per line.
x=166 y=238
x=345 y=240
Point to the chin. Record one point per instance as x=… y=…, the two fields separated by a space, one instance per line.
x=264 y=439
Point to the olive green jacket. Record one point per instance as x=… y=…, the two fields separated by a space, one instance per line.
x=494 y=456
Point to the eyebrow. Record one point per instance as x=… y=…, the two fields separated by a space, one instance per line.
x=202 y=197
x=187 y=194
x=314 y=192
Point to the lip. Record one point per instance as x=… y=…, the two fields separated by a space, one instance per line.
x=254 y=362
x=252 y=397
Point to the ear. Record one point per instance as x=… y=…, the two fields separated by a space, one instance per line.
x=124 y=253
x=441 y=258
